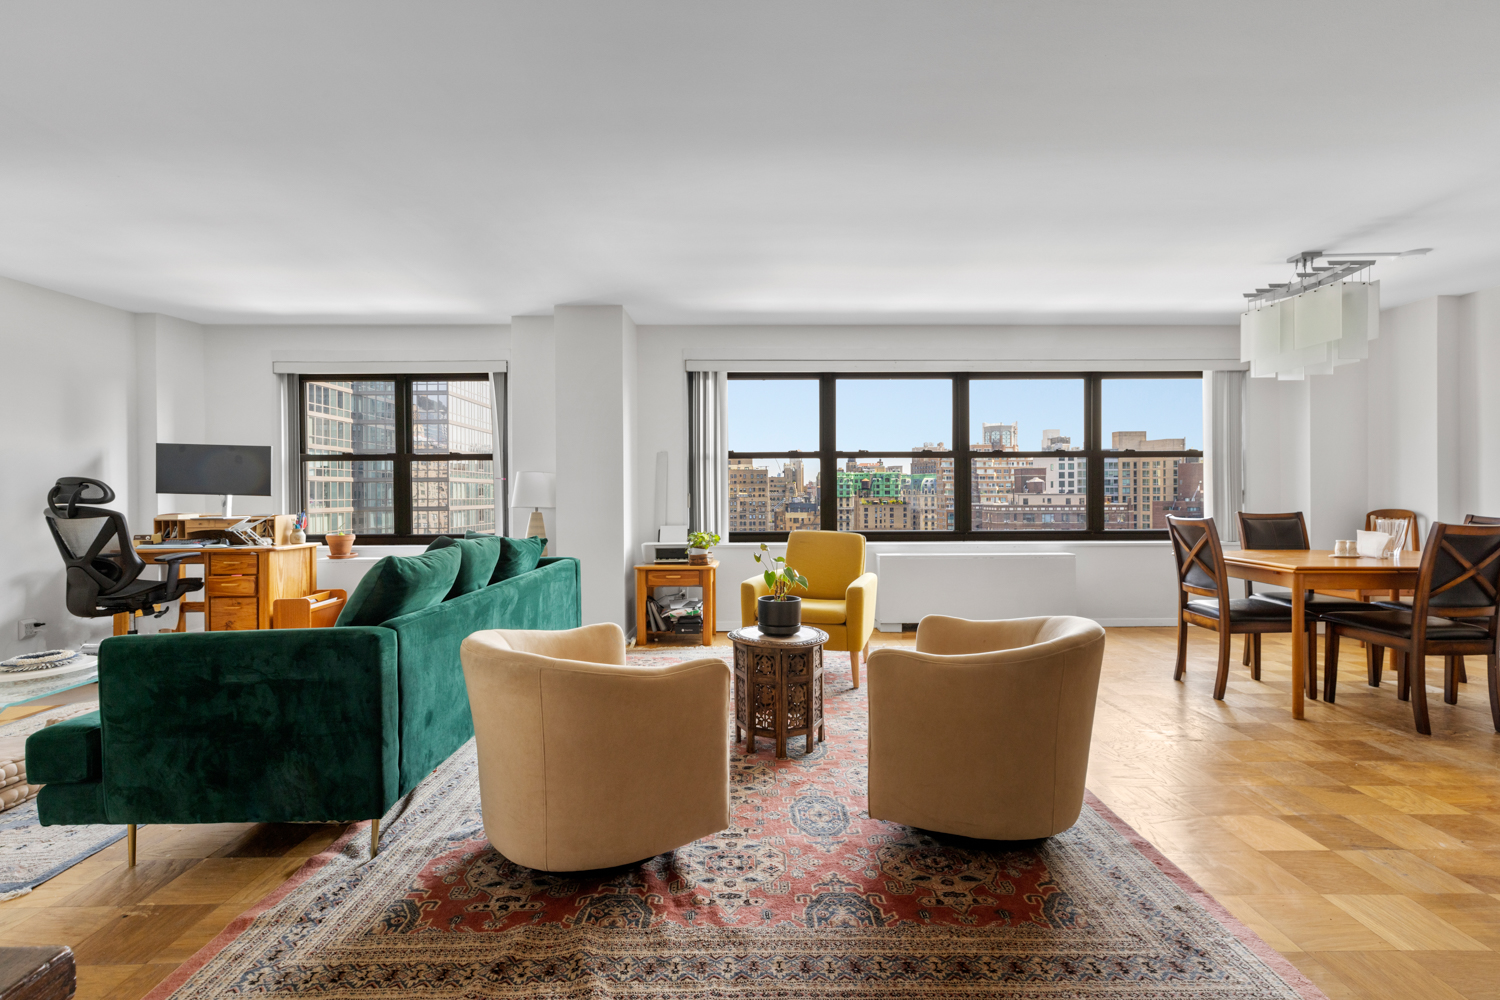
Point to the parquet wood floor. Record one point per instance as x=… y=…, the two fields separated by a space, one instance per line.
x=1368 y=855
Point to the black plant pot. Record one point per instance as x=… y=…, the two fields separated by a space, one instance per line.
x=779 y=617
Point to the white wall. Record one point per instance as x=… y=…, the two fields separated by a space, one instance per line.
x=245 y=402
x=68 y=390
x=172 y=408
x=532 y=393
x=1477 y=402
x=1416 y=427
x=596 y=455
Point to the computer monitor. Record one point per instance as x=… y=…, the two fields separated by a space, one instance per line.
x=224 y=469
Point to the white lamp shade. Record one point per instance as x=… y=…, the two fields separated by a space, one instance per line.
x=534 y=489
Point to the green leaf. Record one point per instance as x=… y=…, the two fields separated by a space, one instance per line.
x=770 y=579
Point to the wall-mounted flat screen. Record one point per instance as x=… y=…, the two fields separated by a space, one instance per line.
x=229 y=469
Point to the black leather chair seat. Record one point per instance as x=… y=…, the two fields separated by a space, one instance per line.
x=1398 y=623
x=1320 y=604
x=129 y=597
x=1243 y=609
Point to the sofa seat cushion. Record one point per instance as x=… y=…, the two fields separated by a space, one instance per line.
x=69 y=751
x=399 y=585
x=517 y=556
x=1398 y=624
x=479 y=555
x=821 y=612
x=1243 y=609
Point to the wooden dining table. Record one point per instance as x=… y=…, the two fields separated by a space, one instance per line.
x=1302 y=570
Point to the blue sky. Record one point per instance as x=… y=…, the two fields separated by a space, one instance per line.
x=900 y=414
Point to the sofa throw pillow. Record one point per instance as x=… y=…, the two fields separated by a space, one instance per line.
x=479 y=558
x=399 y=585
x=517 y=556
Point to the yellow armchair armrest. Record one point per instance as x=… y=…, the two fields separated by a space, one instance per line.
x=859 y=604
x=751 y=591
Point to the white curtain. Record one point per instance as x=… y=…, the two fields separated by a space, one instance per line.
x=708 y=452
x=1224 y=437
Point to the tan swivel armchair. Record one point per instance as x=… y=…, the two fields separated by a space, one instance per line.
x=586 y=762
x=983 y=730
x=840 y=595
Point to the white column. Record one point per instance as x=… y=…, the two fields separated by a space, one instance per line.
x=595 y=428
x=531 y=393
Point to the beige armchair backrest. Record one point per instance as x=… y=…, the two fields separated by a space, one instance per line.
x=983 y=730
x=587 y=762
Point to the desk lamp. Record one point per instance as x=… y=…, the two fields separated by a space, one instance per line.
x=535 y=490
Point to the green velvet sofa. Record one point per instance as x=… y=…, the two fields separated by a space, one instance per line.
x=281 y=725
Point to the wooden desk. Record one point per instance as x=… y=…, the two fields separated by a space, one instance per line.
x=674 y=575
x=241 y=583
x=1300 y=570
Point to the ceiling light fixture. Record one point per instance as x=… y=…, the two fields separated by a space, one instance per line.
x=1320 y=320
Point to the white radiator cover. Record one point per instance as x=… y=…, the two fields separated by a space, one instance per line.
x=982 y=586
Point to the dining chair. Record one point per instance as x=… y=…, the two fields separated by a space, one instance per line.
x=1203 y=596
x=1279 y=531
x=1459 y=578
x=1457 y=666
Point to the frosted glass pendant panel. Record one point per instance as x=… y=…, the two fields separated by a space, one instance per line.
x=1319 y=316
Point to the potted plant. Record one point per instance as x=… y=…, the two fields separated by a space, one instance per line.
x=340 y=544
x=779 y=613
x=699 y=544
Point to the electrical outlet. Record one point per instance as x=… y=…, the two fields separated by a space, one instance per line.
x=30 y=627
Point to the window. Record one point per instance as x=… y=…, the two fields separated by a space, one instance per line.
x=398 y=458
x=1032 y=456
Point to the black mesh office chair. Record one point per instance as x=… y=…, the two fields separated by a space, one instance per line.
x=103 y=583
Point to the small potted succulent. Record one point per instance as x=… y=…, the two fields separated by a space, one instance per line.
x=340 y=544
x=779 y=613
x=700 y=543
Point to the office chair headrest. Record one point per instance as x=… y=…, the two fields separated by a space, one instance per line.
x=74 y=490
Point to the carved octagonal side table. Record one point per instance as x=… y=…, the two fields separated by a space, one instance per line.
x=778 y=686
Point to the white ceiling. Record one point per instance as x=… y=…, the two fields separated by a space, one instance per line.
x=715 y=162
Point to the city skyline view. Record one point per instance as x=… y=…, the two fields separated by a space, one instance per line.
x=1008 y=490
x=897 y=415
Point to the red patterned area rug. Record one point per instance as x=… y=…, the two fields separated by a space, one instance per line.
x=805 y=896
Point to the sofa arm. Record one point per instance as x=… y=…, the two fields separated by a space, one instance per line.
x=751 y=591
x=291 y=725
x=859 y=609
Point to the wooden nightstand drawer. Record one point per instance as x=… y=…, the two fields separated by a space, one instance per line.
x=674 y=578
x=233 y=563
x=230 y=586
x=228 y=613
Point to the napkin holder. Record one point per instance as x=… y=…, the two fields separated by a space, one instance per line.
x=1372 y=544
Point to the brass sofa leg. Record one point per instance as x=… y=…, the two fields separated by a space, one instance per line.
x=374 y=837
x=130 y=844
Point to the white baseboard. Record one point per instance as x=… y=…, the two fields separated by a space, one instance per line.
x=1135 y=622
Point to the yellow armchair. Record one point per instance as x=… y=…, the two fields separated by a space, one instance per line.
x=840 y=595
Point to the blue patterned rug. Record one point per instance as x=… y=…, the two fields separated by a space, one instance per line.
x=30 y=853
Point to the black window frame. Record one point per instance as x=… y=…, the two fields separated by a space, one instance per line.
x=1093 y=453
x=402 y=458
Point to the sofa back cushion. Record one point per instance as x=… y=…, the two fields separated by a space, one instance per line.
x=517 y=556
x=399 y=585
x=435 y=719
x=479 y=554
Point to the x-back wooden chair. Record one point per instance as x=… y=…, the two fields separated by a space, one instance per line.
x=1453 y=613
x=1201 y=574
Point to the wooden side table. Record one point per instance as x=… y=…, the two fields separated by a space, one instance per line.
x=674 y=575
x=778 y=686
